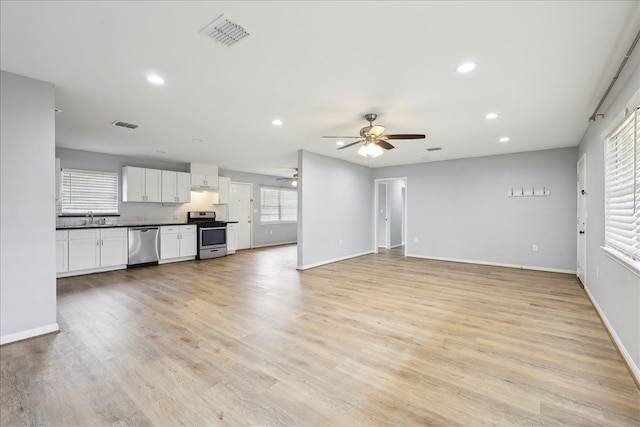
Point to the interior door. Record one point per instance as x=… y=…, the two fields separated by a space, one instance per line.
x=581 y=265
x=240 y=206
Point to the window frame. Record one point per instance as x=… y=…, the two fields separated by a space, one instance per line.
x=71 y=205
x=628 y=255
x=281 y=191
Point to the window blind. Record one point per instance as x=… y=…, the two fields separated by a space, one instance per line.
x=622 y=188
x=84 y=191
x=278 y=205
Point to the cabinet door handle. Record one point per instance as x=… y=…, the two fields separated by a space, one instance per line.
x=101 y=242
x=97 y=242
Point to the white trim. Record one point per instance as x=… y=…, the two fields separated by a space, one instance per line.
x=396 y=246
x=630 y=265
x=91 y=270
x=29 y=333
x=170 y=260
x=331 y=261
x=635 y=370
x=275 y=244
x=496 y=264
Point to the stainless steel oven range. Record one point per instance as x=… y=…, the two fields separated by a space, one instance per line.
x=212 y=234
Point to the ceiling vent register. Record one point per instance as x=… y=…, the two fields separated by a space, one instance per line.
x=124 y=124
x=224 y=30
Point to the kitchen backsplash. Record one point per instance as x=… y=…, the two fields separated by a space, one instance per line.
x=154 y=213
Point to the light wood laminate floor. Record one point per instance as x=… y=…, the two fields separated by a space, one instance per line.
x=375 y=340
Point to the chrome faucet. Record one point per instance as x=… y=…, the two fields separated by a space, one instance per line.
x=90 y=214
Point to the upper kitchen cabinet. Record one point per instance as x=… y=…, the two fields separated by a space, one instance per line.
x=224 y=185
x=203 y=177
x=176 y=187
x=141 y=185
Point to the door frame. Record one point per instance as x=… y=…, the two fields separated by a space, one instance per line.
x=251 y=214
x=387 y=224
x=581 y=213
x=405 y=227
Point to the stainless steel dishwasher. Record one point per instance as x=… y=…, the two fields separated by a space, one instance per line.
x=143 y=245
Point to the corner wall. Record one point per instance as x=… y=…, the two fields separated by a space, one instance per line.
x=613 y=289
x=335 y=215
x=27 y=206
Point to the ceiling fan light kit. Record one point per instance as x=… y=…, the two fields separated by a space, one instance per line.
x=374 y=142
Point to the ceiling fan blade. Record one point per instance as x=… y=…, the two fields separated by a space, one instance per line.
x=340 y=137
x=376 y=130
x=405 y=136
x=384 y=144
x=349 y=145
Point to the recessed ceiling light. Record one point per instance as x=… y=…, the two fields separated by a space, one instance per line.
x=155 y=79
x=197 y=140
x=276 y=122
x=466 y=67
x=161 y=152
x=504 y=139
x=491 y=116
x=339 y=142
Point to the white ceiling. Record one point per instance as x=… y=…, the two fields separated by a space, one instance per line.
x=319 y=67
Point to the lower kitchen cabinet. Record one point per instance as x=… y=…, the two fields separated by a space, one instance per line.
x=62 y=251
x=178 y=242
x=99 y=250
x=232 y=238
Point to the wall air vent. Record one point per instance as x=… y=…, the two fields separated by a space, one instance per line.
x=224 y=30
x=434 y=148
x=124 y=124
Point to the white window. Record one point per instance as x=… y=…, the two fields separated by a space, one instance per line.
x=278 y=205
x=622 y=189
x=84 y=191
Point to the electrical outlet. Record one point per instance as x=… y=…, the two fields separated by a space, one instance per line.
x=535 y=248
x=340 y=241
x=597 y=272
x=415 y=239
x=270 y=231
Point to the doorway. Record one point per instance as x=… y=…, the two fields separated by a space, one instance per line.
x=390 y=213
x=581 y=265
x=240 y=209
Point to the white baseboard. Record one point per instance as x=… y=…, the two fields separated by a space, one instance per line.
x=170 y=260
x=93 y=270
x=397 y=246
x=330 y=261
x=274 y=244
x=30 y=333
x=635 y=370
x=496 y=264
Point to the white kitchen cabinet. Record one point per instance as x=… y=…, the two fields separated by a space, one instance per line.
x=141 y=184
x=232 y=238
x=114 y=247
x=93 y=249
x=84 y=249
x=176 y=187
x=62 y=251
x=224 y=185
x=204 y=182
x=178 y=242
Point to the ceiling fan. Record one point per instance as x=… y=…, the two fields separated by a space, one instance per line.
x=374 y=141
x=294 y=179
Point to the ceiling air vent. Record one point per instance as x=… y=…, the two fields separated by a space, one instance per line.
x=224 y=30
x=124 y=124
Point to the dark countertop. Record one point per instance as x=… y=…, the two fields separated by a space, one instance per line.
x=137 y=224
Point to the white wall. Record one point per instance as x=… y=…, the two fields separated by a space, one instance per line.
x=395 y=207
x=459 y=209
x=615 y=291
x=335 y=202
x=382 y=215
x=27 y=206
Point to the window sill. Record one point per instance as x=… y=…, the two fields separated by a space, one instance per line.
x=629 y=264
